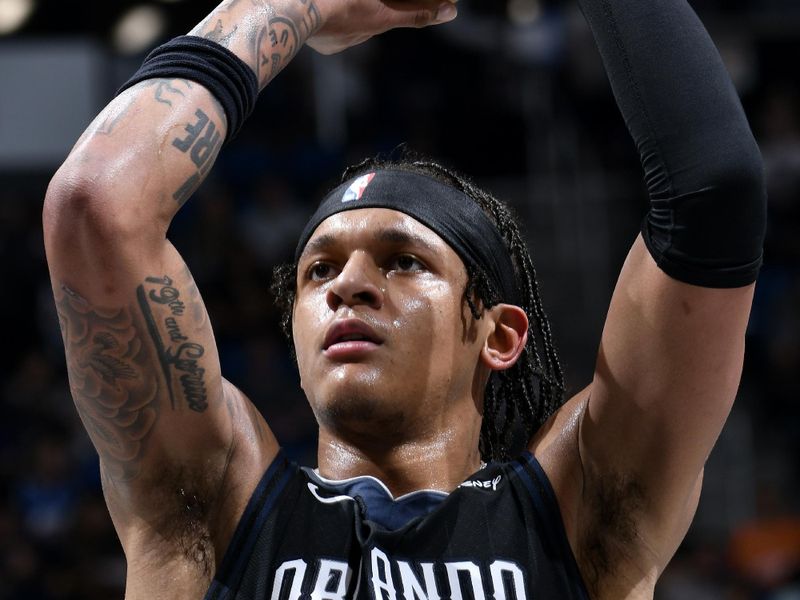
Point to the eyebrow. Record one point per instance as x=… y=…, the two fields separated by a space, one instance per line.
x=400 y=237
x=391 y=235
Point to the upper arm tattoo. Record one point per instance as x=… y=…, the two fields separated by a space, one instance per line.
x=107 y=361
x=177 y=355
x=129 y=365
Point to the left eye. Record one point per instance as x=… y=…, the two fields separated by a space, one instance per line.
x=405 y=262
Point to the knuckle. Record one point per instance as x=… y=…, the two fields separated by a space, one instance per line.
x=423 y=18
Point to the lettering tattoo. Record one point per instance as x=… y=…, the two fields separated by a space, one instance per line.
x=280 y=41
x=202 y=142
x=107 y=365
x=178 y=357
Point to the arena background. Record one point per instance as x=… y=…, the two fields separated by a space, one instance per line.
x=512 y=93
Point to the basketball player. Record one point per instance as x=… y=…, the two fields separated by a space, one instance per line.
x=419 y=336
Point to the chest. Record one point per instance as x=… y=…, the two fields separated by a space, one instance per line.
x=479 y=542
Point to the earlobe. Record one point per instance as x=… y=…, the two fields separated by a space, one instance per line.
x=505 y=343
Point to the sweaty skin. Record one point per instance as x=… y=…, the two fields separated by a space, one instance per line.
x=181 y=449
x=390 y=272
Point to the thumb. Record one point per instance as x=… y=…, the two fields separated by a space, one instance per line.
x=445 y=12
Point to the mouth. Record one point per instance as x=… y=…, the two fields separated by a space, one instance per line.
x=349 y=338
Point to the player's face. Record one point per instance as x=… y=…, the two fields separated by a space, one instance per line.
x=383 y=337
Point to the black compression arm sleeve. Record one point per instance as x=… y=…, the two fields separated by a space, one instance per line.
x=703 y=169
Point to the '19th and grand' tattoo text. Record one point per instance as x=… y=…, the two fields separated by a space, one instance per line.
x=177 y=355
x=124 y=363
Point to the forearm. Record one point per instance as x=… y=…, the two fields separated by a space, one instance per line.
x=143 y=365
x=265 y=34
x=702 y=166
x=153 y=145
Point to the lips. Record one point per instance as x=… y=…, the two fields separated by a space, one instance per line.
x=350 y=333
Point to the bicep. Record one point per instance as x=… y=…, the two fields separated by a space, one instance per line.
x=144 y=371
x=667 y=373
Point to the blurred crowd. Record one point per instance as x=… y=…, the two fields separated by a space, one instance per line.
x=527 y=112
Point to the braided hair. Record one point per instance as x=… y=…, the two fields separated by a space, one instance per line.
x=518 y=400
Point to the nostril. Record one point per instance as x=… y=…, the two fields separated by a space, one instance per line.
x=334 y=300
x=358 y=282
x=366 y=296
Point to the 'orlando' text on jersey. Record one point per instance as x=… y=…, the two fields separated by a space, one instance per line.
x=497 y=536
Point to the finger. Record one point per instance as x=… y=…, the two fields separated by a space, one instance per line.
x=446 y=12
x=423 y=17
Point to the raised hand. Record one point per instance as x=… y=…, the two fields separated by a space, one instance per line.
x=346 y=23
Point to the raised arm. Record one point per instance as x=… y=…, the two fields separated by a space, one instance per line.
x=671 y=353
x=142 y=361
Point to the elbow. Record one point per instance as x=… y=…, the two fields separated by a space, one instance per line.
x=81 y=216
x=70 y=199
x=721 y=156
x=730 y=187
x=73 y=208
x=741 y=172
x=710 y=232
x=743 y=189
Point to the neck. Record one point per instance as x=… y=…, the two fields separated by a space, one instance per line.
x=439 y=462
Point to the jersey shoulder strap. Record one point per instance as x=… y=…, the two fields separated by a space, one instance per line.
x=534 y=480
x=244 y=539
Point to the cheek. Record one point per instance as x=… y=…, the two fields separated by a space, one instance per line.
x=430 y=321
x=308 y=319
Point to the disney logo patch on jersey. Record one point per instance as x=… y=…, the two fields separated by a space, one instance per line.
x=483 y=484
x=357 y=188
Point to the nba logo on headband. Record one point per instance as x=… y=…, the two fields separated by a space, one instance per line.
x=358 y=187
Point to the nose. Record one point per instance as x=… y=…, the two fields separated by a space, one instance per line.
x=358 y=283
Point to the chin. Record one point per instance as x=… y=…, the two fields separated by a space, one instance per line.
x=356 y=409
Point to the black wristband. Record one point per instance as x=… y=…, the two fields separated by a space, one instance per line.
x=211 y=65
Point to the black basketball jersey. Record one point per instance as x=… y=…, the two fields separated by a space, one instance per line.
x=497 y=536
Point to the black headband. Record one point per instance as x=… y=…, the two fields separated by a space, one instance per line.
x=451 y=214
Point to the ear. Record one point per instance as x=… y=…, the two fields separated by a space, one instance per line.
x=508 y=337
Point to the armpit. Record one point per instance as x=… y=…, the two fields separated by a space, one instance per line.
x=609 y=542
x=182 y=529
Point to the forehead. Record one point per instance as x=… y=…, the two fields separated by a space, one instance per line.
x=364 y=225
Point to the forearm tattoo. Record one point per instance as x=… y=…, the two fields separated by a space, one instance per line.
x=167 y=90
x=126 y=366
x=266 y=34
x=202 y=143
x=267 y=47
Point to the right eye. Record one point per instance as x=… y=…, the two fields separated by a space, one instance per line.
x=320 y=271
